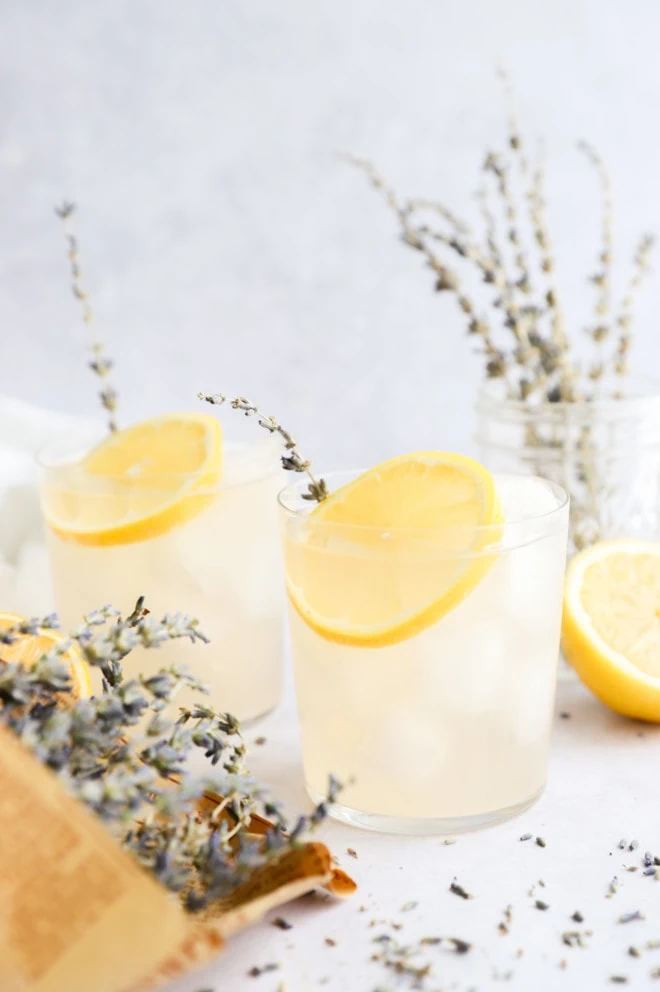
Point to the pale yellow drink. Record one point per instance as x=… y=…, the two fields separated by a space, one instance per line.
x=449 y=728
x=217 y=560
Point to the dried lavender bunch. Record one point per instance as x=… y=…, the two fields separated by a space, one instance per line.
x=100 y=364
x=420 y=236
x=625 y=317
x=602 y=278
x=292 y=460
x=126 y=759
x=524 y=339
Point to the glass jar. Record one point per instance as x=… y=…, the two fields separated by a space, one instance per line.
x=604 y=452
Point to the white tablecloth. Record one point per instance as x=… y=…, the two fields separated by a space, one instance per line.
x=603 y=787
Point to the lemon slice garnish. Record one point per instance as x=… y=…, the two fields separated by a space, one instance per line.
x=138 y=483
x=28 y=648
x=390 y=553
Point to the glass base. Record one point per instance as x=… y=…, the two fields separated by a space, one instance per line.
x=421 y=826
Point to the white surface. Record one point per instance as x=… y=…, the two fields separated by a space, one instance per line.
x=224 y=244
x=602 y=787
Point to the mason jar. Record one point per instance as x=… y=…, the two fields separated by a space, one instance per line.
x=604 y=452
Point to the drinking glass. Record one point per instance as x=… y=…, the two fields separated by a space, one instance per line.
x=447 y=727
x=218 y=560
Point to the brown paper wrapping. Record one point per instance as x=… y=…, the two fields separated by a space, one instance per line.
x=76 y=912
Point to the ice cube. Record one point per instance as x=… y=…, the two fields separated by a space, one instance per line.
x=397 y=751
x=531 y=701
x=231 y=552
x=523 y=497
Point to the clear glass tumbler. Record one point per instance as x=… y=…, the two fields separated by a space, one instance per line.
x=448 y=728
x=219 y=561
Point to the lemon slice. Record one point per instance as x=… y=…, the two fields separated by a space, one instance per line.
x=28 y=648
x=407 y=548
x=138 y=483
x=611 y=626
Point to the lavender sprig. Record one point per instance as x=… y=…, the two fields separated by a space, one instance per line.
x=602 y=278
x=126 y=759
x=100 y=364
x=446 y=278
x=292 y=460
x=625 y=316
x=107 y=649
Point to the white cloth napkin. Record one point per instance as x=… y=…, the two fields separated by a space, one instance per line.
x=25 y=430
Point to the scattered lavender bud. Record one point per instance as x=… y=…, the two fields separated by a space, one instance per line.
x=631 y=917
x=575 y=938
x=258 y=970
x=457 y=945
x=612 y=888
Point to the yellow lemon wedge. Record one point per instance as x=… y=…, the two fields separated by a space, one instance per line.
x=27 y=648
x=611 y=625
x=390 y=553
x=138 y=483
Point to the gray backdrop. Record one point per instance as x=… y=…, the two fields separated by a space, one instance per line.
x=226 y=245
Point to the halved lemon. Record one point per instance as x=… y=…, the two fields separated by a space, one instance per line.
x=138 y=483
x=611 y=625
x=390 y=553
x=27 y=648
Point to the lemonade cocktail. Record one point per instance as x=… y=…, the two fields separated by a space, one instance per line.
x=425 y=617
x=169 y=510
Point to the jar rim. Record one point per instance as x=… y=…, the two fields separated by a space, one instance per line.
x=645 y=394
x=644 y=401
